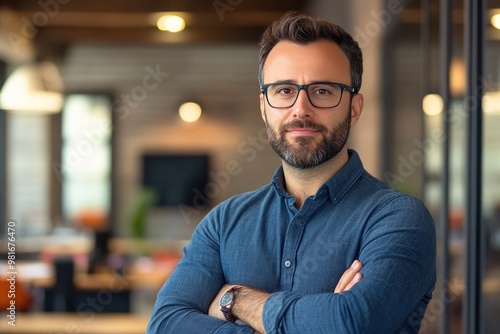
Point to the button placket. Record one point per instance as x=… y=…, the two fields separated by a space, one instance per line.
x=291 y=245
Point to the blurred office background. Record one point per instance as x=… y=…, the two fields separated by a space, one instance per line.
x=104 y=181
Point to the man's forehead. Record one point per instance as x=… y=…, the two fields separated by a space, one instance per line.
x=320 y=57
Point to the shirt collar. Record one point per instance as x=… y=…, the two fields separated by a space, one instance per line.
x=337 y=186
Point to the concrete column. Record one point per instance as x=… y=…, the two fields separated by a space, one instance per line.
x=367 y=23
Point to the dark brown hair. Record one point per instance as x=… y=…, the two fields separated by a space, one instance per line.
x=303 y=29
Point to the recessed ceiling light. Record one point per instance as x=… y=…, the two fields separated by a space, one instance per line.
x=432 y=104
x=490 y=103
x=190 y=112
x=172 y=23
x=495 y=21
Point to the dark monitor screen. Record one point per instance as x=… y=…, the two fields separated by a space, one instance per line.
x=175 y=179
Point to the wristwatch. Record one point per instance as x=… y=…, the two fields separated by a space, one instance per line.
x=227 y=301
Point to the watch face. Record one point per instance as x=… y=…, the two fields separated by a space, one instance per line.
x=226 y=299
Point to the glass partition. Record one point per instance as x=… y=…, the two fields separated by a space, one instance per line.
x=467 y=297
x=491 y=171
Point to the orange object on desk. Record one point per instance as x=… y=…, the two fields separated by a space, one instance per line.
x=92 y=219
x=13 y=290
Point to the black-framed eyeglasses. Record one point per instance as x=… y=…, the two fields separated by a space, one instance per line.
x=320 y=94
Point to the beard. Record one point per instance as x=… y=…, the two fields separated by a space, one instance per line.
x=305 y=156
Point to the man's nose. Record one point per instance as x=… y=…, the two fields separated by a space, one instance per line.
x=302 y=106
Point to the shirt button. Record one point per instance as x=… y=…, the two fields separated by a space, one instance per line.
x=297 y=221
x=288 y=264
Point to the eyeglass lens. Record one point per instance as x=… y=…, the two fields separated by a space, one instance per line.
x=322 y=95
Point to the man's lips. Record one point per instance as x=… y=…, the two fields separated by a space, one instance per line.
x=302 y=131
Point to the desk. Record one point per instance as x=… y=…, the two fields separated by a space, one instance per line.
x=143 y=273
x=113 y=292
x=57 y=323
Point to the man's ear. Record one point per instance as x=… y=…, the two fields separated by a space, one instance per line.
x=357 y=104
x=262 y=103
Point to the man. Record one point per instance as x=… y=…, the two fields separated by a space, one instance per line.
x=273 y=258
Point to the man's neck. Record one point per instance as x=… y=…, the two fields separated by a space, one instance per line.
x=302 y=183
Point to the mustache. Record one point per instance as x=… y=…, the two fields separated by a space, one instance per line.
x=301 y=124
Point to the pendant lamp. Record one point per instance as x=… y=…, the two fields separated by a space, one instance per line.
x=34 y=88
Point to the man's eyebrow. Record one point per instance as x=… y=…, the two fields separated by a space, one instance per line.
x=284 y=82
x=295 y=82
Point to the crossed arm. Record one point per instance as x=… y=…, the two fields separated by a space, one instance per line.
x=398 y=255
x=249 y=302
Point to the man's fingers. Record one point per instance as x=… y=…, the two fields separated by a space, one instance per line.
x=355 y=280
x=350 y=277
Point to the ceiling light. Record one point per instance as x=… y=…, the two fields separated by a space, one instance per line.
x=491 y=103
x=432 y=104
x=33 y=88
x=190 y=112
x=495 y=21
x=172 y=23
x=457 y=77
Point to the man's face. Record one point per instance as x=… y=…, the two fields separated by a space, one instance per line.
x=305 y=136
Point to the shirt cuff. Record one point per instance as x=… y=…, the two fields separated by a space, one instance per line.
x=274 y=309
x=234 y=328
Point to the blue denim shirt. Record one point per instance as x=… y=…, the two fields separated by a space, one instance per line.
x=260 y=239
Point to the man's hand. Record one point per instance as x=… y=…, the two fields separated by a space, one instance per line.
x=350 y=277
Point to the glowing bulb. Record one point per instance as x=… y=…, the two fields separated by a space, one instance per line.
x=495 y=21
x=172 y=23
x=190 y=112
x=432 y=104
x=490 y=103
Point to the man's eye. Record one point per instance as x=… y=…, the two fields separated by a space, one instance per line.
x=322 y=91
x=284 y=91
